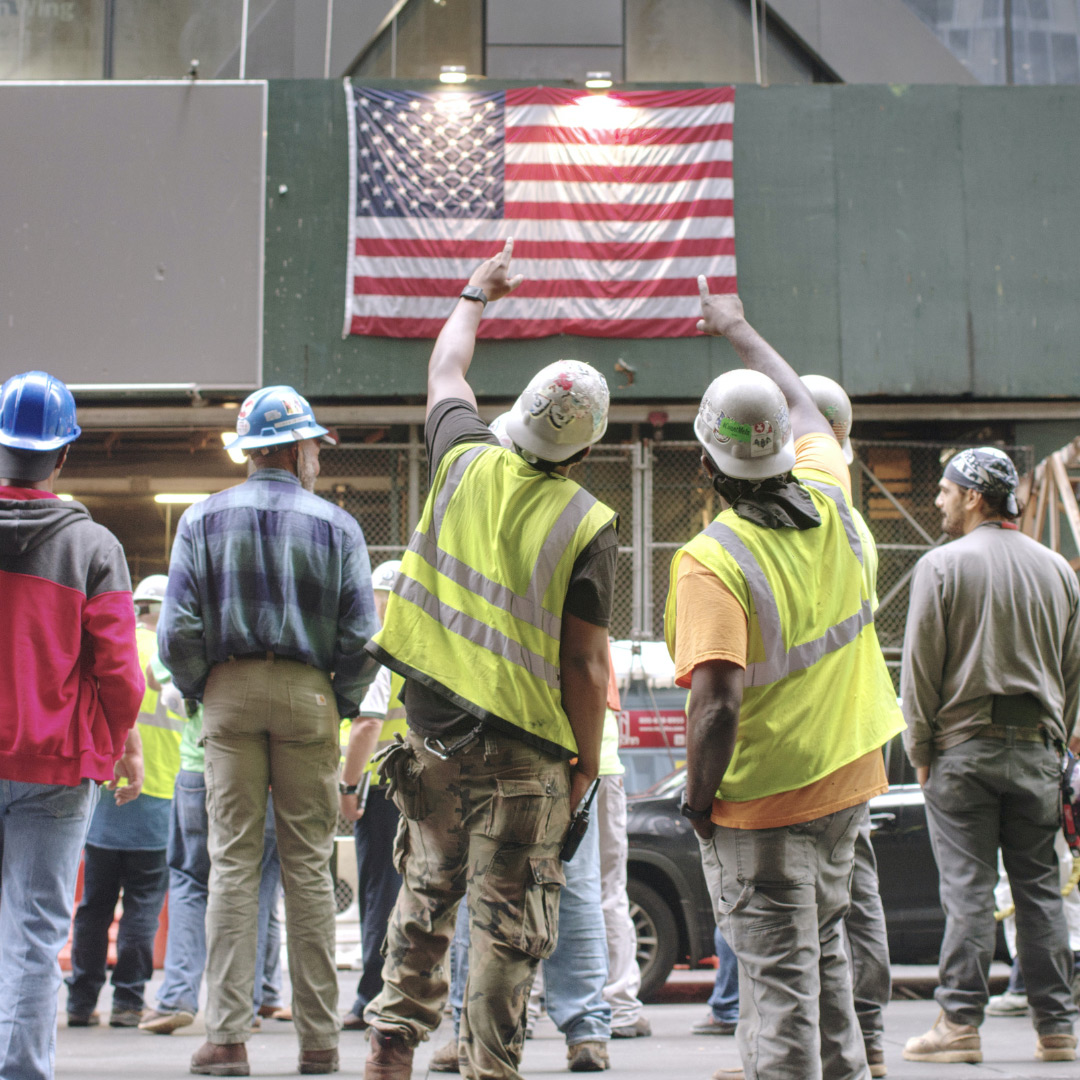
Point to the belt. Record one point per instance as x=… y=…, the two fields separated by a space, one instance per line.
x=267 y=655
x=1020 y=734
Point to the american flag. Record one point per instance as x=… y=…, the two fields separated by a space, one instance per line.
x=616 y=203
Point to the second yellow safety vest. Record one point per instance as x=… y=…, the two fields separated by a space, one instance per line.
x=159 y=728
x=476 y=612
x=817 y=693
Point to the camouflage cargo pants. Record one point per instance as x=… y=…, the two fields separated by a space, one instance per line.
x=490 y=820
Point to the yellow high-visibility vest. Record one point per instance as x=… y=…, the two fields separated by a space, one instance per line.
x=159 y=728
x=476 y=612
x=817 y=693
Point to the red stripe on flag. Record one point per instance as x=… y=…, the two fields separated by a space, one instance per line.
x=617 y=174
x=619 y=289
x=609 y=212
x=628 y=136
x=503 y=329
x=703 y=247
x=639 y=99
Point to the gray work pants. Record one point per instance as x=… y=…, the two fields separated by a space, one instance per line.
x=780 y=897
x=867 y=940
x=982 y=794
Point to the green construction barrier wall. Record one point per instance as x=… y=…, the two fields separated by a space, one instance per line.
x=909 y=241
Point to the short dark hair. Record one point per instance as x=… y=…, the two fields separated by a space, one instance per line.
x=995 y=505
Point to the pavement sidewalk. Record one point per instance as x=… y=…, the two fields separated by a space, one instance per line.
x=672 y=1052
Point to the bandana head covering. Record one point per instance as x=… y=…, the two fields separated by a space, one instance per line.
x=989 y=471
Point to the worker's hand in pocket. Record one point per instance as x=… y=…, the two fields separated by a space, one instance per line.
x=130 y=768
x=349 y=807
x=493 y=276
x=922 y=774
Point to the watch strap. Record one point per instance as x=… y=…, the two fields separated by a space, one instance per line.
x=689 y=812
x=347 y=789
x=474 y=292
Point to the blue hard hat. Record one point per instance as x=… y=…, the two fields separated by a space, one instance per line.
x=37 y=412
x=273 y=415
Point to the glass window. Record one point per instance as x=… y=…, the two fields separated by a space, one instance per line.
x=1066 y=56
x=52 y=39
x=161 y=40
x=429 y=35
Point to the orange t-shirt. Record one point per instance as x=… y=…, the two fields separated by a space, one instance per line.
x=711 y=625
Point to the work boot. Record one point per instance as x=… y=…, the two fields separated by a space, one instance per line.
x=84 y=1019
x=639 y=1029
x=389 y=1058
x=165 y=1021
x=946 y=1042
x=352 y=1021
x=588 y=1057
x=221 y=1059
x=267 y=1011
x=445 y=1059
x=122 y=1018
x=709 y=1025
x=314 y=1062
x=1057 y=1047
x=875 y=1058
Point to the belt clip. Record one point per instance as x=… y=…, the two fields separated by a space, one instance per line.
x=444 y=752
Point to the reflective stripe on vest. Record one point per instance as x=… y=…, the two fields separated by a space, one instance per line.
x=477 y=608
x=779 y=661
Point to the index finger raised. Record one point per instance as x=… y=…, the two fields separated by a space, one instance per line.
x=703 y=286
x=507 y=251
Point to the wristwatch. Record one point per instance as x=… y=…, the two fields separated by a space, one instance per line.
x=688 y=811
x=474 y=292
x=347 y=789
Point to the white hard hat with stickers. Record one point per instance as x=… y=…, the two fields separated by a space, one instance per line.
x=563 y=410
x=385 y=574
x=744 y=426
x=151 y=590
x=834 y=404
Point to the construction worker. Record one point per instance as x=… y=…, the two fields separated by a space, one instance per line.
x=375 y=820
x=72 y=687
x=498 y=621
x=770 y=623
x=266 y=616
x=125 y=853
x=991 y=683
x=864 y=923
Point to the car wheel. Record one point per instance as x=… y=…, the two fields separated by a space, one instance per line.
x=657 y=936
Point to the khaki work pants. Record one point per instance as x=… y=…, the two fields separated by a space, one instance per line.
x=270 y=723
x=490 y=820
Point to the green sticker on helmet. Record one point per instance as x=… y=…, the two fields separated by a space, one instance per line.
x=734 y=430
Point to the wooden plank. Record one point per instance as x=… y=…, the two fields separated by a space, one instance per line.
x=1068 y=497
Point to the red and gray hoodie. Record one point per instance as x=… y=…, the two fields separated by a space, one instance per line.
x=69 y=666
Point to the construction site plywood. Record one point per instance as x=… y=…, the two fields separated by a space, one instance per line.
x=900 y=240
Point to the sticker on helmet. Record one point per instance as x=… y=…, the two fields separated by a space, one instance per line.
x=732 y=429
x=291 y=405
x=273 y=414
x=246 y=408
x=242 y=426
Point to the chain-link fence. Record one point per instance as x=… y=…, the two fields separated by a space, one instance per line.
x=662 y=498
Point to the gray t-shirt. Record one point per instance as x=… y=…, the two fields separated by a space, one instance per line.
x=993 y=613
x=592 y=580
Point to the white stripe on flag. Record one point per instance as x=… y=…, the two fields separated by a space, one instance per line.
x=542 y=307
x=550 y=191
x=621 y=155
x=555 y=230
x=551 y=269
x=607 y=113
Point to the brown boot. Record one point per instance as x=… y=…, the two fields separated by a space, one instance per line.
x=318 y=1061
x=389 y=1057
x=1059 y=1047
x=221 y=1059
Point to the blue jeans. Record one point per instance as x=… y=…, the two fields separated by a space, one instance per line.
x=575 y=973
x=379 y=885
x=143 y=877
x=42 y=830
x=189 y=876
x=724 y=999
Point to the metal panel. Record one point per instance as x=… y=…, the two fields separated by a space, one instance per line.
x=900 y=240
x=134 y=220
x=553 y=62
x=554 y=22
x=1021 y=161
